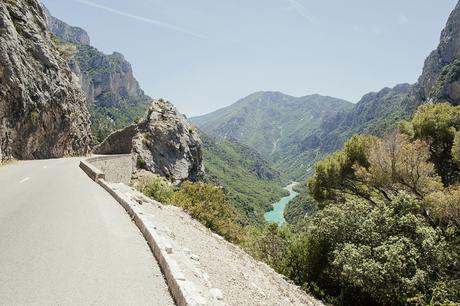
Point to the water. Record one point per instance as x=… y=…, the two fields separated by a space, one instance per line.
x=277 y=214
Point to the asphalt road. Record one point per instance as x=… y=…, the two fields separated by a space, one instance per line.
x=65 y=241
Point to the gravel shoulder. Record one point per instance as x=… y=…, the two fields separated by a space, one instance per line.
x=216 y=263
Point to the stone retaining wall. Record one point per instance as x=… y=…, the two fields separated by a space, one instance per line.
x=116 y=168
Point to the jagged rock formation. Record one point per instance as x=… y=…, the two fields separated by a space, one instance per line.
x=163 y=142
x=42 y=109
x=114 y=96
x=440 y=79
x=66 y=32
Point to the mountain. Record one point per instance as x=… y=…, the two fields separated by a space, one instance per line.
x=375 y=113
x=250 y=182
x=280 y=127
x=115 y=99
x=440 y=79
x=380 y=112
x=42 y=109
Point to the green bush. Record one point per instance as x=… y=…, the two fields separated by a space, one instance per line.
x=207 y=204
x=156 y=188
x=140 y=163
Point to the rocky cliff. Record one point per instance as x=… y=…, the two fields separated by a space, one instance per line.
x=163 y=142
x=42 y=108
x=440 y=79
x=377 y=113
x=66 y=32
x=114 y=96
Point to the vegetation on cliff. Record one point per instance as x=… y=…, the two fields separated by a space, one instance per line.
x=115 y=99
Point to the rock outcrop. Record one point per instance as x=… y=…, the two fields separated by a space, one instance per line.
x=440 y=79
x=42 y=108
x=66 y=32
x=114 y=96
x=163 y=142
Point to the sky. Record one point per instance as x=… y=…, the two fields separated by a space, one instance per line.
x=203 y=55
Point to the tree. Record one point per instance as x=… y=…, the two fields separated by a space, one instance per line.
x=437 y=124
x=377 y=254
x=397 y=164
x=206 y=203
x=334 y=177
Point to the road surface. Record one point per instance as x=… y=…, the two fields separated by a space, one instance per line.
x=65 y=241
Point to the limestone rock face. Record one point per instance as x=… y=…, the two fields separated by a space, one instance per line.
x=114 y=96
x=66 y=32
x=440 y=77
x=42 y=108
x=163 y=142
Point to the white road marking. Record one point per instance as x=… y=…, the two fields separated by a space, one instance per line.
x=25 y=180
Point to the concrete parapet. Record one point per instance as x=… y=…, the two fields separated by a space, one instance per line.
x=91 y=170
x=116 y=168
x=183 y=290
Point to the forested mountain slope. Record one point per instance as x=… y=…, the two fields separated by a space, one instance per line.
x=251 y=184
x=281 y=128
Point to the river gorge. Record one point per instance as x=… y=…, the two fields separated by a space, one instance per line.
x=277 y=214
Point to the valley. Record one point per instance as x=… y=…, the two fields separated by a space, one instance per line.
x=272 y=200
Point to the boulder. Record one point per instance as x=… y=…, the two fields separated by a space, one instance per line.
x=163 y=142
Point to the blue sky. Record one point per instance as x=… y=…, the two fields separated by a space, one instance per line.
x=205 y=54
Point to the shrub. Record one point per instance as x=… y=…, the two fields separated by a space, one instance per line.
x=269 y=244
x=140 y=162
x=207 y=203
x=156 y=188
x=381 y=254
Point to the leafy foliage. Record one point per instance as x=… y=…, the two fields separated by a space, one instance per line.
x=437 y=124
x=156 y=188
x=300 y=207
x=387 y=228
x=335 y=175
x=207 y=204
x=388 y=253
x=203 y=201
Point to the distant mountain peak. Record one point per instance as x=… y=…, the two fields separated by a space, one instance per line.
x=66 y=32
x=274 y=124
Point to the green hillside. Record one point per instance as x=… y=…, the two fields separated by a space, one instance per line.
x=281 y=128
x=249 y=181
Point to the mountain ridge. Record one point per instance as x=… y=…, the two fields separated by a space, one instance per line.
x=273 y=124
x=114 y=96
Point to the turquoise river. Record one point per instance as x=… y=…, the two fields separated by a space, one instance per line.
x=277 y=214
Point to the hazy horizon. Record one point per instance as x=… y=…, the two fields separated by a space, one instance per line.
x=204 y=55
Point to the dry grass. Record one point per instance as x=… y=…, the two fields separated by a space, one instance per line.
x=7 y=162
